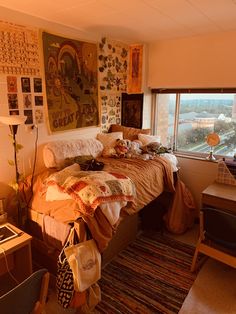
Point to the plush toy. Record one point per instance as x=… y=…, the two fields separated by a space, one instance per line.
x=121 y=148
x=134 y=149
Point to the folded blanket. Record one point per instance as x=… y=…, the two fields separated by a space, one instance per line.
x=92 y=188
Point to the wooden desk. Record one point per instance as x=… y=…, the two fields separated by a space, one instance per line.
x=222 y=196
x=18 y=254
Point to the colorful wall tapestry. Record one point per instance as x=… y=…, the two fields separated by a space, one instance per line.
x=71 y=83
x=113 y=73
x=135 y=69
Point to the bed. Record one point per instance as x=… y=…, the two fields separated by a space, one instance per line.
x=113 y=223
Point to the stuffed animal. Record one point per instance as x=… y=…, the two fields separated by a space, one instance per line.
x=121 y=148
x=134 y=149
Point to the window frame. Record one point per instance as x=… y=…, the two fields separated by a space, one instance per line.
x=178 y=92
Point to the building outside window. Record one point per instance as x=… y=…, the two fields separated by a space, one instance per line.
x=183 y=121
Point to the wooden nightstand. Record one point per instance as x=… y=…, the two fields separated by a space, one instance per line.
x=219 y=195
x=18 y=254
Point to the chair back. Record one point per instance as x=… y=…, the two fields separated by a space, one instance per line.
x=23 y=298
x=220 y=226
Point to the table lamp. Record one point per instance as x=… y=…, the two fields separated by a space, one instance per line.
x=13 y=121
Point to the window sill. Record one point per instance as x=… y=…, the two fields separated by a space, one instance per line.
x=195 y=157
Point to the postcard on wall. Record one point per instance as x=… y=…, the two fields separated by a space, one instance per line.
x=71 y=83
x=37 y=85
x=29 y=115
x=12 y=101
x=39 y=116
x=14 y=112
x=12 y=84
x=25 y=85
x=38 y=100
x=27 y=101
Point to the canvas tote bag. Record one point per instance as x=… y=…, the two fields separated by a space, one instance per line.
x=84 y=259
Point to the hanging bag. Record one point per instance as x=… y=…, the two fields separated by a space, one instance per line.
x=84 y=259
x=64 y=280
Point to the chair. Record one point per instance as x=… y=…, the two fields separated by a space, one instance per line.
x=217 y=238
x=27 y=297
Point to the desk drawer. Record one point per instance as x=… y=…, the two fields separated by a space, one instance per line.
x=218 y=202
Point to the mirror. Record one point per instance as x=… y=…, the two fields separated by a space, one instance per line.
x=212 y=140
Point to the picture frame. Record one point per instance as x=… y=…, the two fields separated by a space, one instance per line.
x=132 y=110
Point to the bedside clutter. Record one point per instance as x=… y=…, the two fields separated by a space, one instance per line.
x=3 y=214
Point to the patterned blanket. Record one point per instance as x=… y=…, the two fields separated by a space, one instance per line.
x=91 y=188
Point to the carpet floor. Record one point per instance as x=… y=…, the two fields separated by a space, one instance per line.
x=152 y=275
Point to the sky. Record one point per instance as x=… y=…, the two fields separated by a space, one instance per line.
x=207 y=96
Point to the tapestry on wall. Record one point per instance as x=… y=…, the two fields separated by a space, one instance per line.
x=113 y=74
x=71 y=83
x=135 y=69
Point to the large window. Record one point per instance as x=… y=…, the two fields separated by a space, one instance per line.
x=183 y=120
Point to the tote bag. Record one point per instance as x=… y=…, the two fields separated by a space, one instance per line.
x=64 y=280
x=84 y=259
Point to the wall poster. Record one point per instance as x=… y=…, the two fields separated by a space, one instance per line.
x=135 y=69
x=19 y=53
x=71 y=83
x=132 y=110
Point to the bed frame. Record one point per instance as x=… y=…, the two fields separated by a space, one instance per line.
x=149 y=218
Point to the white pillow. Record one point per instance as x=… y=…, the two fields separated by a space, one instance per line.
x=55 y=153
x=146 y=139
x=109 y=139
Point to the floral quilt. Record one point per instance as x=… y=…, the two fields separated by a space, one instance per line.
x=92 y=188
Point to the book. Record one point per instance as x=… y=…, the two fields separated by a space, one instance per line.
x=7 y=233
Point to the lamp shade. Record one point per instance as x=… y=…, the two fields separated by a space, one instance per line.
x=13 y=119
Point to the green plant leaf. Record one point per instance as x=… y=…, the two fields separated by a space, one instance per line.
x=11 y=162
x=18 y=147
x=14 y=185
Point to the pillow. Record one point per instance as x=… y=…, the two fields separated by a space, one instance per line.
x=55 y=153
x=128 y=132
x=146 y=139
x=108 y=140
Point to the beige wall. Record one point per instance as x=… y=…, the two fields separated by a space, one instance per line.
x=197 y=175
x=201 y=61
x=204 y=61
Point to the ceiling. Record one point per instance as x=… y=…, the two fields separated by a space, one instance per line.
x=135 y=20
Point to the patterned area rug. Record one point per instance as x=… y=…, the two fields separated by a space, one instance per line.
x=152 y=275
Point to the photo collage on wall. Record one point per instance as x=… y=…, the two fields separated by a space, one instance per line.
x=26 y=95
x=113 y=74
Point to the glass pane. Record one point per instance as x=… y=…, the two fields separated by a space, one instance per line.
x=201 y=114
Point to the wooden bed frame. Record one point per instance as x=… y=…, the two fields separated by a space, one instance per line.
x=149 y=218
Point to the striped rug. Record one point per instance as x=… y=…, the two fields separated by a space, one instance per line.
x=152 y=275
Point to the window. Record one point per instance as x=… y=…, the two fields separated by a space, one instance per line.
x=184 y=119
